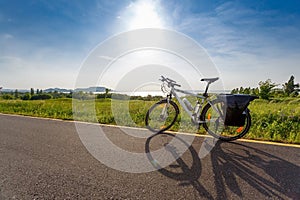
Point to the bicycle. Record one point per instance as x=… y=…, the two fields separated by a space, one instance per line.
x=226 y=117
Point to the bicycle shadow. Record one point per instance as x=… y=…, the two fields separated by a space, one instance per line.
x=187 y=174
x=237 y=170
x=271 y=176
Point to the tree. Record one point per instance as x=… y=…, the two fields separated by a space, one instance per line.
x=247 y=90
x=241 y=91
x=265 y=88
x=106 y=92
x=235 y=91
x=290 y=87
x=16 y=94
x=254 y=91
x=31 y=91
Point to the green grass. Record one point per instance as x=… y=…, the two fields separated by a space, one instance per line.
x=275 y=120
x=58 y=108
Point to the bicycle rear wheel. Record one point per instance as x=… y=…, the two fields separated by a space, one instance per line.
x=214 y=122
x=161 y=116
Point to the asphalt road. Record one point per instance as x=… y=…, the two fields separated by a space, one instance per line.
x=45 y=159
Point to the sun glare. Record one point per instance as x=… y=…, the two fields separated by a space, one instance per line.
x=144 y=14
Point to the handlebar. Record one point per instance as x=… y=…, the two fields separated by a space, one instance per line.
x=171 y=83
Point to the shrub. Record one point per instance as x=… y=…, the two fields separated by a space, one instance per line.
x=41 y=97
x=26 y=96
x=7 y=96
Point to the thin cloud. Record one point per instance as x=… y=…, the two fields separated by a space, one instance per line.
x=243 y=40
x=7 y=36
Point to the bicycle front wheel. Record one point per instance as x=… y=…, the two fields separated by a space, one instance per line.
x=214 y=116
x=161 y=116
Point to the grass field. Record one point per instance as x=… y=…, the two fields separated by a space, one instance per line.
x=276 y=120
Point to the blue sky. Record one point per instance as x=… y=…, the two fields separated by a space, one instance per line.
x=43 y=43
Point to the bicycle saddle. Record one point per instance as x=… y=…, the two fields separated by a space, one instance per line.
x=210 y=80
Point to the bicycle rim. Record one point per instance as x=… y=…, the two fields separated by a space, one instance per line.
x=161 y=116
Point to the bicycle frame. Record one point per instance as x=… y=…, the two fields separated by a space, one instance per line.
x=192 y=114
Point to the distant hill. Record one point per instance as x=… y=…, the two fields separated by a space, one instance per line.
x=13 y=90
x=61 y=90
x=91 y=89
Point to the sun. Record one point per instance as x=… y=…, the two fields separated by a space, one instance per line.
x=144 y=14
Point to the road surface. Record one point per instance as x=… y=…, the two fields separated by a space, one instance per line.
x=45 y=159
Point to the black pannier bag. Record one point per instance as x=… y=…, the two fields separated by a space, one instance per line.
x=235 y=105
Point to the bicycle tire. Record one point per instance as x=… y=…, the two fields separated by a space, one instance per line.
x=163 y=127
x=225 y=133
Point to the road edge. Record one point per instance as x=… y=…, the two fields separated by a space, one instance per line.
x=138 y=128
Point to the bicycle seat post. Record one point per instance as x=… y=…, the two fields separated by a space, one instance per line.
x=209 y=81
x=206 y=89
